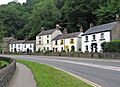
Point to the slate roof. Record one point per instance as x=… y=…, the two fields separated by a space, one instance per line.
x=30 y=41
x=23 y=41
x=57 y=37
x=18 y=41
x=100 y=28
x=47 y=32
x=71 y=35
x=7 y=39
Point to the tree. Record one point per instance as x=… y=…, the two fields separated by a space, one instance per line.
x=44 y=14
x=13 y=18
x=107 y=11
x=79 y=12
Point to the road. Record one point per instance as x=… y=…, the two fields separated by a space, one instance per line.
x=105 y=73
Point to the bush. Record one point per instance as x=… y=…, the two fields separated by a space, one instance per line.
x=113 y=46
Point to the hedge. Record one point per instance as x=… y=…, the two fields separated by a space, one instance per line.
x=113 y=46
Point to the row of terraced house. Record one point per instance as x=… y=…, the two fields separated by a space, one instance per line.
x=57 y=41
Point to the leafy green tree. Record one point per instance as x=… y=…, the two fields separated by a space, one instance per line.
x=107 y=11
x=44 y=14
x=76 y=12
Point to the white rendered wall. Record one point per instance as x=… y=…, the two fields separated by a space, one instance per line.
x=98 y=41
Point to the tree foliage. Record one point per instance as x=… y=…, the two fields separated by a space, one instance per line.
x=25 y=20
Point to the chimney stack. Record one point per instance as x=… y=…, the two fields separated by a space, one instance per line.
x=91 y=25
x=65 y=31
x=42 y=29
x=58 y=26
x=81 y=29
x=117 y=17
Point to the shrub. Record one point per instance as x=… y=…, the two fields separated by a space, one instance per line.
x=113 y=46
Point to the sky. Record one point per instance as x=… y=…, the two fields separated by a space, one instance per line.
x=6 y=1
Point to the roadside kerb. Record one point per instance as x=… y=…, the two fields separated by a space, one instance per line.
x=80 y=78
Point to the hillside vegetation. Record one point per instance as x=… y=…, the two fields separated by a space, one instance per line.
x=26 y=20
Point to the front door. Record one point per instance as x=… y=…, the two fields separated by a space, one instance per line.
x=94 y=47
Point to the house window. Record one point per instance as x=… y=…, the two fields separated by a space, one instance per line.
x=44 y=49
x=93 y=37
x=86 y=47
x=39 y=42
x=71 y=41
x=61 y=48
x=102 y=35
x=47 y=41
x=18 y=45
x=56 y=49
x=30 y=46
x=86 y=38
x=47 y=48
x=11 y=45
x=61 y=42
x=25 y=45
x=39 y=37
x=47 y=36
x=56 y=42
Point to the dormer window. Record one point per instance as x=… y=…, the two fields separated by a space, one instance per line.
x=47 y=36
x=86 y=38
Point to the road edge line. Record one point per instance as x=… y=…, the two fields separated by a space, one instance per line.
x=80 y=78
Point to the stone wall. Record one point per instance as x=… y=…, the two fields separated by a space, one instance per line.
x=7 y=72
x=115 y=55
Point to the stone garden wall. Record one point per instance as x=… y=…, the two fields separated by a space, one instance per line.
x=7 y=72
x=114 y=55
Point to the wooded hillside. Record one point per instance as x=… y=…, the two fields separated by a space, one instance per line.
x=26 y=20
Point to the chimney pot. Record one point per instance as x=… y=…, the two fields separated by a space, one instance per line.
x=91 y=25
x=58 y=26
x=81 y=29
x=42 y=29
x=117 y=17
x=65 y=31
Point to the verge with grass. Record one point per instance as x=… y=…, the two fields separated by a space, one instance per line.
x=46 y=76
x=3 y=63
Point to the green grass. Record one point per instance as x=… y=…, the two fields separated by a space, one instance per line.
x=2 y=63
x=115 y=40
x=46 y=76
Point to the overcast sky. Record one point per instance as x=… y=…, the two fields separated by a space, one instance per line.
x=6 y=1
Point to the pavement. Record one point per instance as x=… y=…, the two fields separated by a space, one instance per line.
x=105 y=73
x=22 y=78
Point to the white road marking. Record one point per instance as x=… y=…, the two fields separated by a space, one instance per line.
x=114 y=68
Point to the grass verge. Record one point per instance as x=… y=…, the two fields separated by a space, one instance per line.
x=46 y=76
x=3 y=63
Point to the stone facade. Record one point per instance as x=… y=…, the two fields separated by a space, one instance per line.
x=5 y=44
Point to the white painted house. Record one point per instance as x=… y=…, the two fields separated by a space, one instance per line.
x=19 y=46
x=43 y=39
x=67 y=42
x=96 y=35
